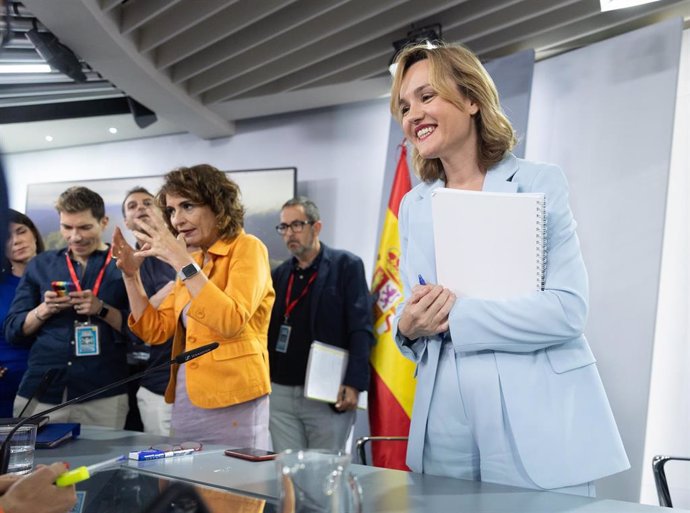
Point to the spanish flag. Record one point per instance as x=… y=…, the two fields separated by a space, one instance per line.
x=391 y=392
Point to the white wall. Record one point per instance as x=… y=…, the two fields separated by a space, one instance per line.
x=669 y=408
x=339 y=154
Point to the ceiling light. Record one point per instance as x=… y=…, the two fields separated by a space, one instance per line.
x=49 y=138
x=431 y=35
x=112 y=130
x=611 y=5
x=24 y=68
x=56 y=54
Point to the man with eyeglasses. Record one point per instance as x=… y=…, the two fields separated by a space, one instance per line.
x=321 y=294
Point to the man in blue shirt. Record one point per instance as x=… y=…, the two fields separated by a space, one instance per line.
x=82 y=331
x=158 y=279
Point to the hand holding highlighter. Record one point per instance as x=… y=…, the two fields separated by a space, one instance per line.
x=80 y=474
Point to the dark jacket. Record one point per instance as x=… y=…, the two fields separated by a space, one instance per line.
x=341 y=313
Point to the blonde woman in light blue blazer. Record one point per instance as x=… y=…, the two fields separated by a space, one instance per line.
x=507 y=391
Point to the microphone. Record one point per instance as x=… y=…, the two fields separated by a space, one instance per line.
x=179 y=359
x=46 y=380
x=194 y=353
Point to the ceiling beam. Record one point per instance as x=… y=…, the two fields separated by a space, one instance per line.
x=183 y=16
x=299 y=37
x=584 y=30
x=339 y=94
x=135 y=13
x=238 y=42
x=95 y=36
x=227 y=22
x=357 y=34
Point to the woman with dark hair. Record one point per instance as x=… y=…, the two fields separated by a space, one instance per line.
x=507 y=390
x=223 y=294
x=23 y=243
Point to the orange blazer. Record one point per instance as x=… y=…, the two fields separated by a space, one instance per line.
x=234 y=309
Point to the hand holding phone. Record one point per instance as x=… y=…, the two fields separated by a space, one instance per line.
x=63 y=288
x=251 y=454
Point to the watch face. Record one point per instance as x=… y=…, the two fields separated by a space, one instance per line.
x=188 y=271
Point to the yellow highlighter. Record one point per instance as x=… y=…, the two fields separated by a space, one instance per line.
x=83 y=473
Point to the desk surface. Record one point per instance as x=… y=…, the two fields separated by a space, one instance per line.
x=384 y=490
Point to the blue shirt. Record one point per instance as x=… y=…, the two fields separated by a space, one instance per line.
x=155 y=274
x=52 y=346
x=14 y=358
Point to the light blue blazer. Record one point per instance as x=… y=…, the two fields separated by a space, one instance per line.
x=560 y=417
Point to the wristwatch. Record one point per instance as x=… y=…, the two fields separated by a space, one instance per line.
x=188 y=271
x=104 y=310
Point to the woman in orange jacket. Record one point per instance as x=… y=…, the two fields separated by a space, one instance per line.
x=223 y=294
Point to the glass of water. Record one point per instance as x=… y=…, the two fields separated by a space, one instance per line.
x=22 y=446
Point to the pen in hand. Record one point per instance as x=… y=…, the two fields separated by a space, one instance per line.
x=422 y=282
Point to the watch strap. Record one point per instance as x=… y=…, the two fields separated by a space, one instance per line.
x=103 y=311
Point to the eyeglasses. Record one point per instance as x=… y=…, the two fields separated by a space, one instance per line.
x=295 y=226
x=196 y=446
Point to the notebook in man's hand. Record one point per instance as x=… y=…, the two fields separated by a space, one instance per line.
x=326 y=368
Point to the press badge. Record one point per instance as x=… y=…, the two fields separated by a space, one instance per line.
x=283 y=338
x=86 y=339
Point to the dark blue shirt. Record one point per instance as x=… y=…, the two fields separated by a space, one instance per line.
x=155 y=274
x=52 y=346
x=13 y=358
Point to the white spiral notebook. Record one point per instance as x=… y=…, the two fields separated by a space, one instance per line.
x=489 y=245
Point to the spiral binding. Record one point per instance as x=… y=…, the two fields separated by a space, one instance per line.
x=541 y=244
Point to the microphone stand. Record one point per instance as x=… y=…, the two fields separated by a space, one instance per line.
x=179 y=359
x=43 y=385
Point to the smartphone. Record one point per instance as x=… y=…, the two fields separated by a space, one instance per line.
x=251 y=454
x=63 y=287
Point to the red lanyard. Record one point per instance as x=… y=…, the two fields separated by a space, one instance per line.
x=99 y=278
x=290 y=305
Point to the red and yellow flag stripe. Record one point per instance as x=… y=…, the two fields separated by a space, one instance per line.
x=391 y=392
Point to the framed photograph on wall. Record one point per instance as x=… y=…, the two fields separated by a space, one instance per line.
x=263 y=193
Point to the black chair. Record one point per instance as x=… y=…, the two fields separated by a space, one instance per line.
x=658 y=463
x=364 y=440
